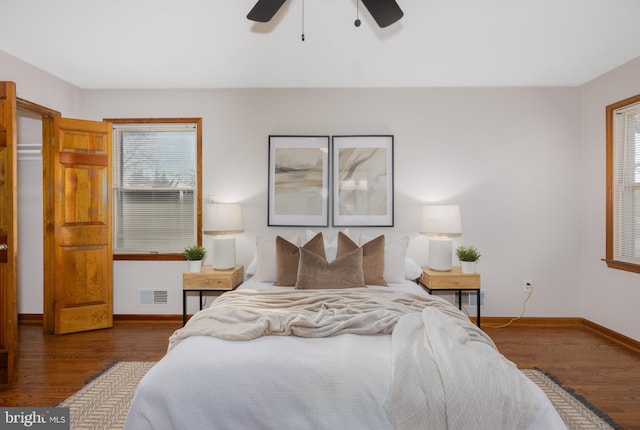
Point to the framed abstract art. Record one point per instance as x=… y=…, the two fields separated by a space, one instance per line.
x=298 y=181
x=362 y=180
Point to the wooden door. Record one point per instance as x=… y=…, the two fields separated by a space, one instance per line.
x=8 y=235
x=78 y=293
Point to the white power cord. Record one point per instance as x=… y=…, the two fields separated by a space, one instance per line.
x=524 y=308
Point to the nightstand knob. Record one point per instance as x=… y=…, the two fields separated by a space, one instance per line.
x=206 y=281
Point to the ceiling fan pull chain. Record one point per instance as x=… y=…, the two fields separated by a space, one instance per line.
x=303 y=20
x=357 y=21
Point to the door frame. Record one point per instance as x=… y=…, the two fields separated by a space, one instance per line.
x=47 y=205
x=9 y=237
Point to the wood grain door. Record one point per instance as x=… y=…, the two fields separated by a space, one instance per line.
x=8 y=235
x=78 y=292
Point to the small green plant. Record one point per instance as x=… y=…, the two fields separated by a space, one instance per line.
x=467 y=253
x=195 y=252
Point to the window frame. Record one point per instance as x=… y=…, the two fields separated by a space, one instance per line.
x=610 y=190
x=198 y=121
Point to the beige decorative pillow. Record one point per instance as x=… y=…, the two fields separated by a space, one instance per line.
x=287 y=256
x=372 y=257
x=315 y=272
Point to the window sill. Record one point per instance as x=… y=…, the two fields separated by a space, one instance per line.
x=621 y=265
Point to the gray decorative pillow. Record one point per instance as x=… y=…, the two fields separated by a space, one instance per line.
x=315 y=272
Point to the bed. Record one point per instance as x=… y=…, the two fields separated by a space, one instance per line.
x=337 y=356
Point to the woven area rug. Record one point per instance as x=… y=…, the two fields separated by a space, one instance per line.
x=104 y=402
x=575 y=411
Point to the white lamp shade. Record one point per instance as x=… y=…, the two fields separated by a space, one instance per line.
x=223 y=218
x=440 y=220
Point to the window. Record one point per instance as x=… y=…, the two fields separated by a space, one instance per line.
x=623 y=185
x=156 y=187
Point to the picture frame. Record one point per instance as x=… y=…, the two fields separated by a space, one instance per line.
x=298 y=181
x=362 y=179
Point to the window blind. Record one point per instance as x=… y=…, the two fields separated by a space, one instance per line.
x=154 y=191
x=627 y=184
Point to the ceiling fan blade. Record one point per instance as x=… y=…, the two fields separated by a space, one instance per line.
x=264 y=10
x=385 y=12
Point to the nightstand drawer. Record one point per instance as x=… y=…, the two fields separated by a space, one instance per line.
x=209 y=279
x=452 y=279
x=206 y=283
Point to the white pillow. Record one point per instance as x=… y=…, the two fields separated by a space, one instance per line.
x=330 y=248
x=251 y=267
x=394 y=259
x=395 y=253
x=412 y=269
x=265 y=270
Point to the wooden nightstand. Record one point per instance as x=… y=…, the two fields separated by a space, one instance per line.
x=209 y=279
x=453 y=280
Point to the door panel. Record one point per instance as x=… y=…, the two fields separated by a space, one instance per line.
x=8 y=235
x=78 y=241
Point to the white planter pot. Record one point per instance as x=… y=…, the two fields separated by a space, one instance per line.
x=468 y=266
x=194 y=265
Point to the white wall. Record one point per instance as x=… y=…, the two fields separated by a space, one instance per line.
x=610 y=297
x=40 y=87
x=30 y=226
x=507 y=156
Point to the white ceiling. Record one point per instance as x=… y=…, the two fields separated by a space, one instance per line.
x=210 y=43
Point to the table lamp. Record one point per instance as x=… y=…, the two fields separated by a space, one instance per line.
x=438 y=222
x=222 y=220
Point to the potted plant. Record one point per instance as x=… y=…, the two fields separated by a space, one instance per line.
x=194 y=255
x=468 y=256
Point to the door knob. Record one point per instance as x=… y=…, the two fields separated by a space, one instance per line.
x=3 y=247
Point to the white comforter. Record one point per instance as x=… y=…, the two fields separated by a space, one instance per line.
x=352 y=379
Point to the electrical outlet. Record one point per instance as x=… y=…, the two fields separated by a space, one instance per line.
x=527 y=284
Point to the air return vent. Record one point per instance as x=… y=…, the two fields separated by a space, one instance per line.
x=153 y=297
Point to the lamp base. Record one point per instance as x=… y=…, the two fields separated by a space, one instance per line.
x=440 y=256
x=224 y=253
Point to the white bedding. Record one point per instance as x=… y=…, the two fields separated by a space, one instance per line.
x=291 y=382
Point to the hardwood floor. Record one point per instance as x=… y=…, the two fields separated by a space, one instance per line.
x=51 y=368
x=604 y=372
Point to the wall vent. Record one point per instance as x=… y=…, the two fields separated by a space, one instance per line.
x=153 y=297
x=472 y=299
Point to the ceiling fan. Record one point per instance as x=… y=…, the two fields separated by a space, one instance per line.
x=385 y=12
